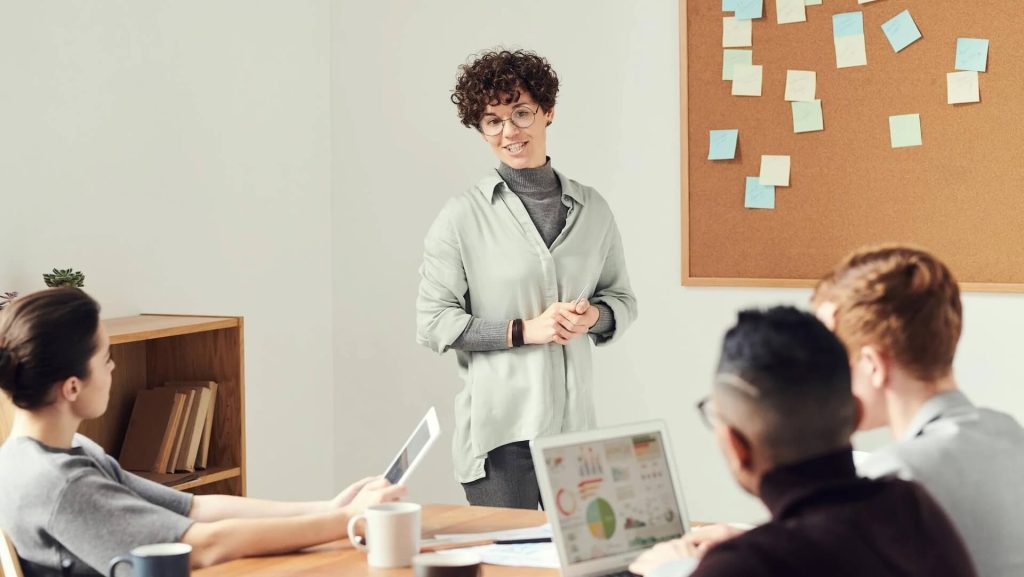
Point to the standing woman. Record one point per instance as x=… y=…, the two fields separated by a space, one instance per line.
x=517 y=272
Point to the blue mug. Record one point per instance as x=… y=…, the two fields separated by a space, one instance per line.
x=159 y=560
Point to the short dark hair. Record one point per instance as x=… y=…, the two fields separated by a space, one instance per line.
x=795 y=378
x=45 y=338
x=497 y=77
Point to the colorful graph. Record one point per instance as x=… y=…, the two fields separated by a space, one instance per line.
x=566 y=502
x=601 y=519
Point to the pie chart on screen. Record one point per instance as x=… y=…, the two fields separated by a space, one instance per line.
x=600 y=519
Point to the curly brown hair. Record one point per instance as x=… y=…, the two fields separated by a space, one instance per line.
x=496 y=77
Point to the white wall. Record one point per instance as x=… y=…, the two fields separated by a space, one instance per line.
x=179 y=154
x=400 y=152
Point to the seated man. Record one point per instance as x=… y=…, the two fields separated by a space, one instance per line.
x=897 y=310
x=65 y=503
x=782 y=411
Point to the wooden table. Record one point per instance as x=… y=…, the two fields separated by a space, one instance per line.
x=342 y=560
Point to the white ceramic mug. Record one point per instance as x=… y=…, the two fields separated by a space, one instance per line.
x=392 y=533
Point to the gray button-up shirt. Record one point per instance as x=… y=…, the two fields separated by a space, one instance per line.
x=972 y=461
x=483 y=257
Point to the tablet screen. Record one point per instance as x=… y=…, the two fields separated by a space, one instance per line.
x=409 y=452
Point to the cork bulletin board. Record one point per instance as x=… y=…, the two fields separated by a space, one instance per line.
x=960 y=194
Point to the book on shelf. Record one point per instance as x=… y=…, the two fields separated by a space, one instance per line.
x=203 y=452
x=179 y=440
x=152 y=430
x=195 y=425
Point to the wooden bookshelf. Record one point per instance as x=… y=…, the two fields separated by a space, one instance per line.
x=150 y=350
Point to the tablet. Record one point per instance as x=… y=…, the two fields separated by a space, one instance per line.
x=412 y=453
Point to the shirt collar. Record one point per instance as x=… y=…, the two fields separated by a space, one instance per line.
x=785 y=489
x=934 y=408
x=488 y=187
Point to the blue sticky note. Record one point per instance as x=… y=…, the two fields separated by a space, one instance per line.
x=901 y=31
x=848 y=24
x=905 y=130
x=758 y=195
x=729 y=5
x=971 y=54
x=749 y=9
x=723 y=144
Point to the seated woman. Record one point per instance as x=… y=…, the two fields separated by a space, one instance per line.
x=64 y=500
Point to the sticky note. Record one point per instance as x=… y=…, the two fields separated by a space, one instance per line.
x=962 y=87
x=735 y=32
x=905 y=130
x=807 y=117
x=848 y=24
x=790 y=11
x=864 y=1
x=729 y=5
x=901 y=31
x=749 y=9
x=812 y=2
x=746 y=80
x=731 y=58
x=800 y=85
x=723 y=144
x=758 y=195
x=971 y=54
x=774 y=170
x=850 y=51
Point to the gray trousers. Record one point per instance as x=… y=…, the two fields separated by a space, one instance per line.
x=509 y=481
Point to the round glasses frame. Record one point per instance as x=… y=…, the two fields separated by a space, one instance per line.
x=524 y=121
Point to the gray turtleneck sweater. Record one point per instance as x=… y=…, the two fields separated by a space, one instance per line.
x=541 y=194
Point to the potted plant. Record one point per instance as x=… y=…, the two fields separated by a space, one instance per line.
x=64 y=278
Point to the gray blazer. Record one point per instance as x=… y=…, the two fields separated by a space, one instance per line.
x=972 y=461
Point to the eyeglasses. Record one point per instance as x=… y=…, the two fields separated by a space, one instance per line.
x=706 y=414
x=521 y=117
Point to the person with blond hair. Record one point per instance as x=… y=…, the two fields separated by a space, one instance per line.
x=897 y=310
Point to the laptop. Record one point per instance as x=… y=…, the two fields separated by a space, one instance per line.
x=610 y=495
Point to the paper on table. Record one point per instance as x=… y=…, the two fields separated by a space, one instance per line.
x=538 y=532
x=790 y=11
x=541 y=555
x=731 y=58
x=801 y=85
x=736 y=33
x=962 y=87
x=901 y=31
x=972 y=54
x=746 y=80
x=774 y=170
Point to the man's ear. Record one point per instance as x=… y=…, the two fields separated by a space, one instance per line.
x=70 y=389
x=740 y=448
x=878 y=365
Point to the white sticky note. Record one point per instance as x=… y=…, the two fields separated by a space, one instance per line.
x=851 y=51
x=864 y=1
x=746 y=79
x=813 y=2
x=736 y=33
x=790 y=11
x=962 y=87
x=774 y=170
x=731 y=58
x=807 y=117
x=801 y=85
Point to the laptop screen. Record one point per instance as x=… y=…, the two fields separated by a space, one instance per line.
x=613 y=496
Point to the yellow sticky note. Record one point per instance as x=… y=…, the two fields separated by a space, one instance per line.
x=790 y=11
x=962 y=87
x=851 y=51
x=736 y=33
x=801 y=85
x=774 y=170
x=746 y=79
